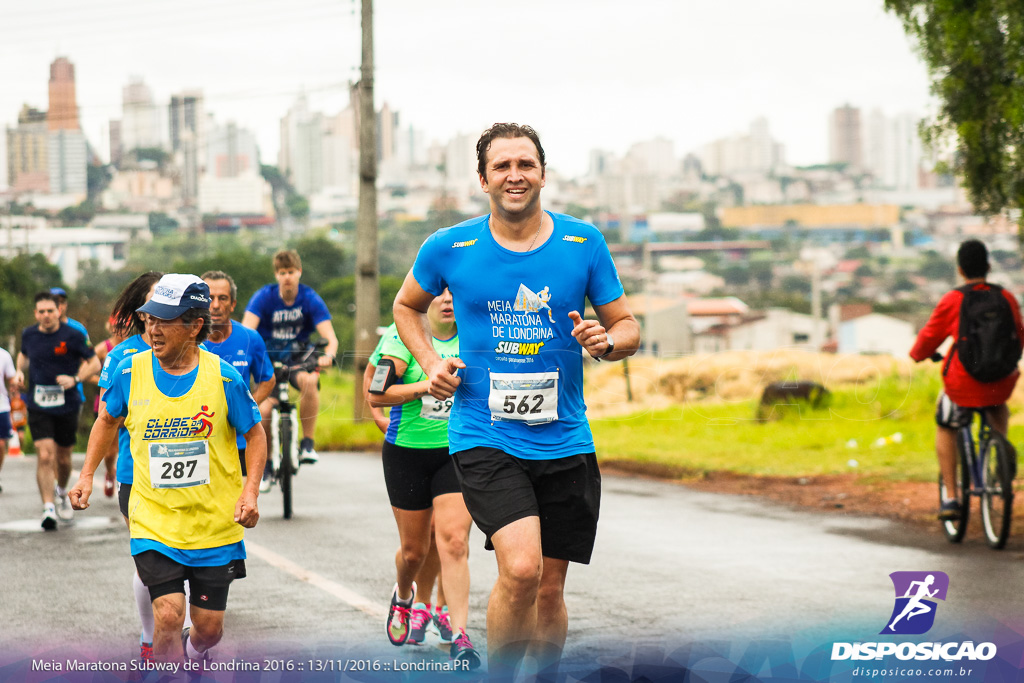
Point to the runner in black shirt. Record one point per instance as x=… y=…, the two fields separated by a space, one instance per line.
x=52 y=356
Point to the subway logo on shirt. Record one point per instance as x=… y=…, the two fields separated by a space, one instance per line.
x=519 y=348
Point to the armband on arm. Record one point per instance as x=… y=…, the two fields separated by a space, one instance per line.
x=383 y=376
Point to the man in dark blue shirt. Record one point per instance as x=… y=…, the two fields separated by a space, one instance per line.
x=285 y=315
x=51 y=357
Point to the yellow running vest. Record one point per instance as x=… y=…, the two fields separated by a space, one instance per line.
x=187 y=473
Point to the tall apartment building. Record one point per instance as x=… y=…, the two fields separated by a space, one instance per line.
x=68 y=161
x=893 y=151
x=231 y=151
x=116 y=143
x=66 y=147
x=63 y=112
x=188 y=140
x=300 y=156
x=28 y=161
x=846 y=137
x=141 y=120
x=756 y=151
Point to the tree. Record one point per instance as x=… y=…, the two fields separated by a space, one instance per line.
x=20 y=279
x=975 y=56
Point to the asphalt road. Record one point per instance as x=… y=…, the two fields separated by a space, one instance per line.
x=673 y=570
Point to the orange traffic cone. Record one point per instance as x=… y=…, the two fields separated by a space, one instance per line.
x=14 y=446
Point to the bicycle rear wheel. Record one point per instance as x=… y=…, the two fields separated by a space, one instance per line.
x=997 y=491
x=284 y=473
x=955 y=529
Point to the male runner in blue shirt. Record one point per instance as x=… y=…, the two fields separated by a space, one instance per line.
x=285 y=315
x=518 y=429
x=242 y=348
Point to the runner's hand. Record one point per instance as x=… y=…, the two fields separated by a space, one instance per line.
x=80 y=492
x=325 y=360
x=246 y=512
x=590 y=334
x=444 y=379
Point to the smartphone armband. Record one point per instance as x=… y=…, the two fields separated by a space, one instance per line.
x=383 y=377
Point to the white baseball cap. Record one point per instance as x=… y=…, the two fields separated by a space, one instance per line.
x=174 y=294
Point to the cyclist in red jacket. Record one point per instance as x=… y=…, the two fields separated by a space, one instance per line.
x=960 y=388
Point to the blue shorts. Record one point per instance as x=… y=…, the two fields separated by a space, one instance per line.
x=5 y=426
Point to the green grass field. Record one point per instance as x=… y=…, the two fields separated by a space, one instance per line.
x=856 y=433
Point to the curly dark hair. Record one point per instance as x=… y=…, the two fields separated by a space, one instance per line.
x=505 y=130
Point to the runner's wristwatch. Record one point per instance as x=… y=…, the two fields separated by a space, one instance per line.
x=611 y=346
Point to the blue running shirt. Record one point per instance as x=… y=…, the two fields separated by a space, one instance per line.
x=281 y=326
x=522 y=389
x=126 y=349
x=245 y=352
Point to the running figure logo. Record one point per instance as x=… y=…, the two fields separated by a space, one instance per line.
x=204 y=424
x=914 y=611
x=529 y=302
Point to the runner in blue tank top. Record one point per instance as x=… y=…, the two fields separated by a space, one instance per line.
x=520 y=278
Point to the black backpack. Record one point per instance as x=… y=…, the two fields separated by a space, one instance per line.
x=987 y=340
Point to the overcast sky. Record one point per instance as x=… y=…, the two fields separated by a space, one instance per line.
x=586 y=73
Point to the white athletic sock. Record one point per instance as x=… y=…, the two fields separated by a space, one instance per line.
x=144 y=603
x=949 y=500
x=191 y=650
x=188 y=607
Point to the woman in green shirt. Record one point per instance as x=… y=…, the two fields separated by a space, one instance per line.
x=422 y=484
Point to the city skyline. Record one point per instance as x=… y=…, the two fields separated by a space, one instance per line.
x=599 y=79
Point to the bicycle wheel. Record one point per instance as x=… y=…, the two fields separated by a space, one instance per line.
x=955 y=529
x=284 y=473
x=997 y=491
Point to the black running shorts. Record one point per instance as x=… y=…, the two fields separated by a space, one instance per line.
x=209 y=585
x=565 y=493
x=124 y=494
x=61 y=428
x=416 y=476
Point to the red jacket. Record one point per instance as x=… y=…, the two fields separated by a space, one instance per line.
x=961 y=388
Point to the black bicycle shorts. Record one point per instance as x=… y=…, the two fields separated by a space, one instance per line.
x=241 y=459
x=62 y=428
x=124 y=494
x=952 y=416
x=416 y=476
x=209 y=585
x=565 y=493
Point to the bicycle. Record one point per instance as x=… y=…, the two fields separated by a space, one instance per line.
x=284 y=425
x=985 y=467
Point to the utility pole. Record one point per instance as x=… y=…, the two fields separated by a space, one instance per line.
x=367 y=260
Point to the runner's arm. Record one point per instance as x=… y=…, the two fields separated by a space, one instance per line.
x=410 y=311
x=263 y=390
x=615 y=320
x=250 y=320
x=398 y=394
x=89 y=369
x=379 y=418
x=326 y=330
x=102 y=440
x=22 y=371
x=246 y=511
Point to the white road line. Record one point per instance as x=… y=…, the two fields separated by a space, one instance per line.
x=333 y=588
